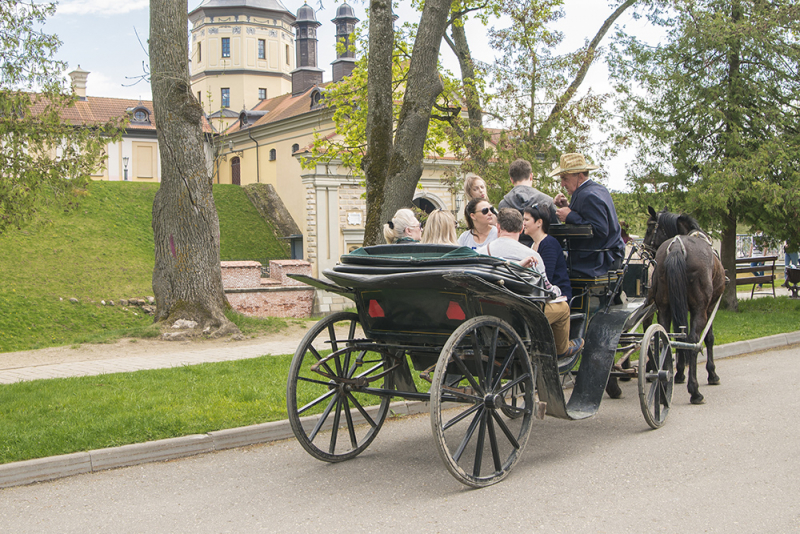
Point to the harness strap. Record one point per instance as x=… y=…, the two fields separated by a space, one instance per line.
x=679 y=240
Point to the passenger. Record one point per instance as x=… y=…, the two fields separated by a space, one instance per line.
x=403 y=228
x=523 y=194
x=591 y=204
x=440 y=228
x=474 y=187
x=536 y=225
x=480 y=215
x=508 y=247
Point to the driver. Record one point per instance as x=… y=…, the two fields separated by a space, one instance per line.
x=591 y=204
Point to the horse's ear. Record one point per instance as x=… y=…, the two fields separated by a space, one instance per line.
x=652 y=212
x=665 y=209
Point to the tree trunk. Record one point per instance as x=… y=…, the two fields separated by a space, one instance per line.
x=398 y=180
x=379 y=116
x=475 y=135
x=187 y=280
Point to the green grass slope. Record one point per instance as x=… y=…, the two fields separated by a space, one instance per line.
x=102 y=250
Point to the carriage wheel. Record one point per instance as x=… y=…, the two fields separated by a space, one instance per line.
x=329 y=401
x=656 y=375
x=480 y=429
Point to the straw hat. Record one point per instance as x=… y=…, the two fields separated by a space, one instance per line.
x=572 y=163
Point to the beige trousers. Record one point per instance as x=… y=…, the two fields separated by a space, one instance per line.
x=557 y=314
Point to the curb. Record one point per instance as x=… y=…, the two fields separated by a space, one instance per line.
x=43 y=469
x=54 y=467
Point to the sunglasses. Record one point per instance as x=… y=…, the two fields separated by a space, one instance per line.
x=486 y=211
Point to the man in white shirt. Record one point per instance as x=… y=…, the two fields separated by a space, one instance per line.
x=508 y=247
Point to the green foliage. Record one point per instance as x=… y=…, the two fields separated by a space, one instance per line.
x=101 y=250
x=714 y=111
x=44 y=156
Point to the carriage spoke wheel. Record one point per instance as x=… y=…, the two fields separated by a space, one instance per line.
x=482 y=401
x=656 y=375
x=331 y=419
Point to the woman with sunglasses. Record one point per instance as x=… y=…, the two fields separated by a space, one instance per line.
x=403 y=228
x=481 y=224
x=536 y=224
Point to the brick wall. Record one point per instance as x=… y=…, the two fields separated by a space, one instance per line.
x=240 y=274
x=277 y=296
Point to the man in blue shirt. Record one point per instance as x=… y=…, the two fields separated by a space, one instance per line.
x=591 y=204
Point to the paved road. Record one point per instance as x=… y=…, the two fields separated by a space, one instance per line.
x=728 y=466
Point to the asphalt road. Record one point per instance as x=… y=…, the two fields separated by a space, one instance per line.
x=728 y=466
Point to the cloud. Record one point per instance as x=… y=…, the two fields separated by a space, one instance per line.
x=100 y=7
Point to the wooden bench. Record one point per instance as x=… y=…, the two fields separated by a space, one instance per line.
x=743 y=267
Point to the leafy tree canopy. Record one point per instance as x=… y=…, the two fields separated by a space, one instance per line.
x=714 y=113
x=43 y=156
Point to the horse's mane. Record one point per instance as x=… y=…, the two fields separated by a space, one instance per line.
x=670 y=222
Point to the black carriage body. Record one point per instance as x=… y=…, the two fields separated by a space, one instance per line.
x=415 y=296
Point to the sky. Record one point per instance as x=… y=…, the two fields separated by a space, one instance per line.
x=108 y=38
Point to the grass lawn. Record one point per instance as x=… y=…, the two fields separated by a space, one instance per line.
x=49 y=417
x=102 y=251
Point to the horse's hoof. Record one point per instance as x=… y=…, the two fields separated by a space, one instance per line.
x=698 y=399
x=614 y=392
x=624 y=379
x=713 y=381
x=680 y=379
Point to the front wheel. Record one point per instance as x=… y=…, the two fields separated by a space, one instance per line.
x=656 y=375
x=482 y=401
x=329 y=413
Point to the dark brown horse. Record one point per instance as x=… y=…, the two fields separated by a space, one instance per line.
x=688 y=280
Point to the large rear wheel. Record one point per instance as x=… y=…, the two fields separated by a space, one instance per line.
x=330 y=415
x=482 y=401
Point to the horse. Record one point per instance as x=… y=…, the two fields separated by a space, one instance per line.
x=688 y=279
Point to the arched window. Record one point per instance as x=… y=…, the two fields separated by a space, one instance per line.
x=295 y=148
x=272 y=155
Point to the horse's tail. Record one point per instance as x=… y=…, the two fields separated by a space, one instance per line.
x=677 y=282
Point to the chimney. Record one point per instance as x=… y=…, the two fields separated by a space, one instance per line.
x=307 y=74
x=345 y=25
x=79 y=77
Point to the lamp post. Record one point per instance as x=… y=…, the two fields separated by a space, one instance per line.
x=125 y=167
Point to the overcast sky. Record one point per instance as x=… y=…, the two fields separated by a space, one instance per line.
x=101 y=37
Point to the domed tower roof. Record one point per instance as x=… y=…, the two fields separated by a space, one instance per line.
x=306 y=15
x=344 y=11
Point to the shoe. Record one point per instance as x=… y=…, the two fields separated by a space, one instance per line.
x=575 y=346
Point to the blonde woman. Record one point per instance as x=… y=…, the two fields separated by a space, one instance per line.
x=474 y=187
x=481 y=224
x=403 y=228
x=440 y=228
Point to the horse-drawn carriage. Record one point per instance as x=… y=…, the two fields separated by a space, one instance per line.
x=473 y=330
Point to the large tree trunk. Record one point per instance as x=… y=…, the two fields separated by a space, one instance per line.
x=379 y=117
x=186 y=279
x=397 y=178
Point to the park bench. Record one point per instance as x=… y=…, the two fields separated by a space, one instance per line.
x=743 y=267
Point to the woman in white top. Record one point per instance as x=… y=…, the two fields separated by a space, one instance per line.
x=481 y=224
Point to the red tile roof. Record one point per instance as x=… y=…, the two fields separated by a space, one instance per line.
x=283 y=107
x=100 y=109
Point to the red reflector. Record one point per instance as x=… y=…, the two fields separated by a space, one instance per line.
x=455 y=312
x=375 y=309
